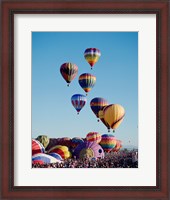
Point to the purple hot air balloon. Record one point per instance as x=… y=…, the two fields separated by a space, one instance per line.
x=89 y=150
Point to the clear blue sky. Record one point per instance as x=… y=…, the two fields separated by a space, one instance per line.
x=117 y=81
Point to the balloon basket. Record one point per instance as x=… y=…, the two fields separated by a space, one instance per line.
x=68 y=85
x=98 y=120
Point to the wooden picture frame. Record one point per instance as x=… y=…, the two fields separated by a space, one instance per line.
x=11 y=7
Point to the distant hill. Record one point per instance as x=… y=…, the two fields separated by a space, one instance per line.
x=129 y=147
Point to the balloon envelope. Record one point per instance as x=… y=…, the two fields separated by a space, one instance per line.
x=37 y=147
x=108 y=142
x=56 y=155
x=63 y=151
x=101 y=116
x=68 y=71
x=78 y=101
x=89 y=150
x=87 y=81
x=43 y=139
x=113 y=115
x=97 y=104
x=92 y=55
x=93 y=137
x=42 y=158
x=76 y=141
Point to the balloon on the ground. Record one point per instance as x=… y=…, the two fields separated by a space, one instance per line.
x=93 y=137
x=42 y=158
x=65 y=141
x=87 y=81
x=108 y=142
x=53 y=142
x=63 y=151
x=56 y=155
x=43 y=139
x=113 y=115
x=76 y=141
x=118 y=146
x=78 y=101
x=68 y=71
x=37 y=147
x=89 y=150
x=92 y=55
x=97 y=104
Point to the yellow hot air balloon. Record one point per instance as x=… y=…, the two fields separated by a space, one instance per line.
x=113 y=115
x=101 y=116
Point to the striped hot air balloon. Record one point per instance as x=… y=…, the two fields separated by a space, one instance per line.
x=56 y=155
x=63 y=151
x=108 y=142
x=37 y=147
x=93 y=137
x=113 y=115
x=101 y=116
x=118 y=146
x=42 y=158
x=78 y=101
x=87 y=81
x=68 y=71
x=92 y=55
x=97 y=104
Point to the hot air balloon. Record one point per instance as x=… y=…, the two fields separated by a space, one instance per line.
x=108 y=142
x=53 y=142
x=97 y=104
x=76 y=141
x=42 y=158
x=89 y=150
x=56 y=155
x=65 y=141
x=43 y=139
x=87 y=81
x=37 y=147
x=78 y=101
x=118 y=146
x=68 y=71
x=92 y=55
x=93 y=137
x=101 y=116
x=63 y=151
x=113 y=115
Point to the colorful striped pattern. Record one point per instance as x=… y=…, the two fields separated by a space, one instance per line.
x=68 y=71
x=56 y=155
x=37 y=147
x=42 y=158
x=92 y=55
x=63 y=151
x=97 y=104
x=101 y=116
x=108 y=142
x=118 y=146
x=87 y=81
x=113 y=115
x=93 y=137
x=78 y=101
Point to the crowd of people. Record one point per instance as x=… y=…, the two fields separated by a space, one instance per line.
x=121 y=159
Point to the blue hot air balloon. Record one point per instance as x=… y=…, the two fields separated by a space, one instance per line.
x=78 y=101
